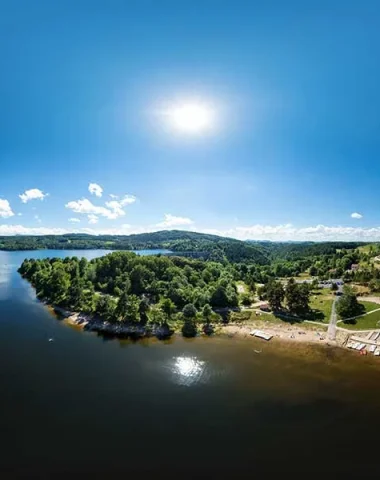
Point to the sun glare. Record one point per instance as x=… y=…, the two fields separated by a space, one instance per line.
x=191 y=118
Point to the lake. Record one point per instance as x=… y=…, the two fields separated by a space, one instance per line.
x=83 y=407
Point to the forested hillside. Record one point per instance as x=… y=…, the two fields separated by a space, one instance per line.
x=215 y=248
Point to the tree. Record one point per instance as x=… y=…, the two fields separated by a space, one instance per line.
x=140 y=277
x=313 y=271
x=75 y=295
x=168 y=308
x=122 y=305
x=275 y=295
x=219 y=297
x=348 y=305
x=246 y=299
x=206 y=313
x=334 y=287
x=144 y=309
x=297 y=297
x=105 y=307
x=189 y=328
x=133 y=306
x=157 y=316
x=250 y=281
x=189 y=311
x=58 y=284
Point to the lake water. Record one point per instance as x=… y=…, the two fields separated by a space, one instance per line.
x=82 y=407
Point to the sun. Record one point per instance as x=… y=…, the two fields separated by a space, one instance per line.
x=191 y=118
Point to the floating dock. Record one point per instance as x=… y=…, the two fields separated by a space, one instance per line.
x=260 y=334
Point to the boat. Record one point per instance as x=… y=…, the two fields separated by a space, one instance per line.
x=372 y=348
x=377 y=352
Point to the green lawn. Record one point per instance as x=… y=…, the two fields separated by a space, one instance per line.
x=368 y=321
x=370 y=306
x=321 y=303
x=248 y=317
x=242 y=288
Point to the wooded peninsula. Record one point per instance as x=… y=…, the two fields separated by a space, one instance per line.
x=126 y=294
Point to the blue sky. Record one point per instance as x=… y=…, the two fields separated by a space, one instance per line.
x=294 y=91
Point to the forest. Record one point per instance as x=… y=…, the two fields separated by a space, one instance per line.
x=125 y=287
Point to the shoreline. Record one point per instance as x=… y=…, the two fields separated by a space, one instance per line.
x=287 y=334
x=284 y=333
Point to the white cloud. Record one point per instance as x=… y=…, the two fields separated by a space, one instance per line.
x=36 y=217
x=172 y=221
x=32 y=194
x=86 y=207
x=5 y=209
x=92 y=218
x=117 y=205
x=74 y=220
x=356 y=215
x=116 y=208
x=114 y=196
x=288 y=232
x=95 y=189
x=21 y=230
x=127 y=200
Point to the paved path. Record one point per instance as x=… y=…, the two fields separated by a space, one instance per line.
x=331 y=331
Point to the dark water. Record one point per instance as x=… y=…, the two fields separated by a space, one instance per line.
x=82 y=407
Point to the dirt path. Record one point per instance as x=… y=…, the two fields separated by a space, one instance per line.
x=369 y=299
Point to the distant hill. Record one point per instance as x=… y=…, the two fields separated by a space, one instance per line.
x=217 y=248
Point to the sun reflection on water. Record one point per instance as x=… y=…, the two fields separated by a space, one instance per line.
x=188 y=370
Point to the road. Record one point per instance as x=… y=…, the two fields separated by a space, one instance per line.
x=331 y=331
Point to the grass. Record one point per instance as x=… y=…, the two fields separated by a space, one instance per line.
x=367 y=322
x=249 y=317
x=321 y=304
x=242 y=288
x=370 y=306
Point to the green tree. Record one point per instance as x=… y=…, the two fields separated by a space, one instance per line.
x=58 y=285
x=206 y=313
x=122 y=305
x=133 y=307
x=297 y=297
x=168 y=308
x=144 y=309
x=189 y=311
x=275 y=295
x=105 y=307
x=75 y=295
x=250 y=281
x=189 y=328
x=140 y=277
x=156 y=315
x=246 y=299
x=348 y=305
x=219 y=297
